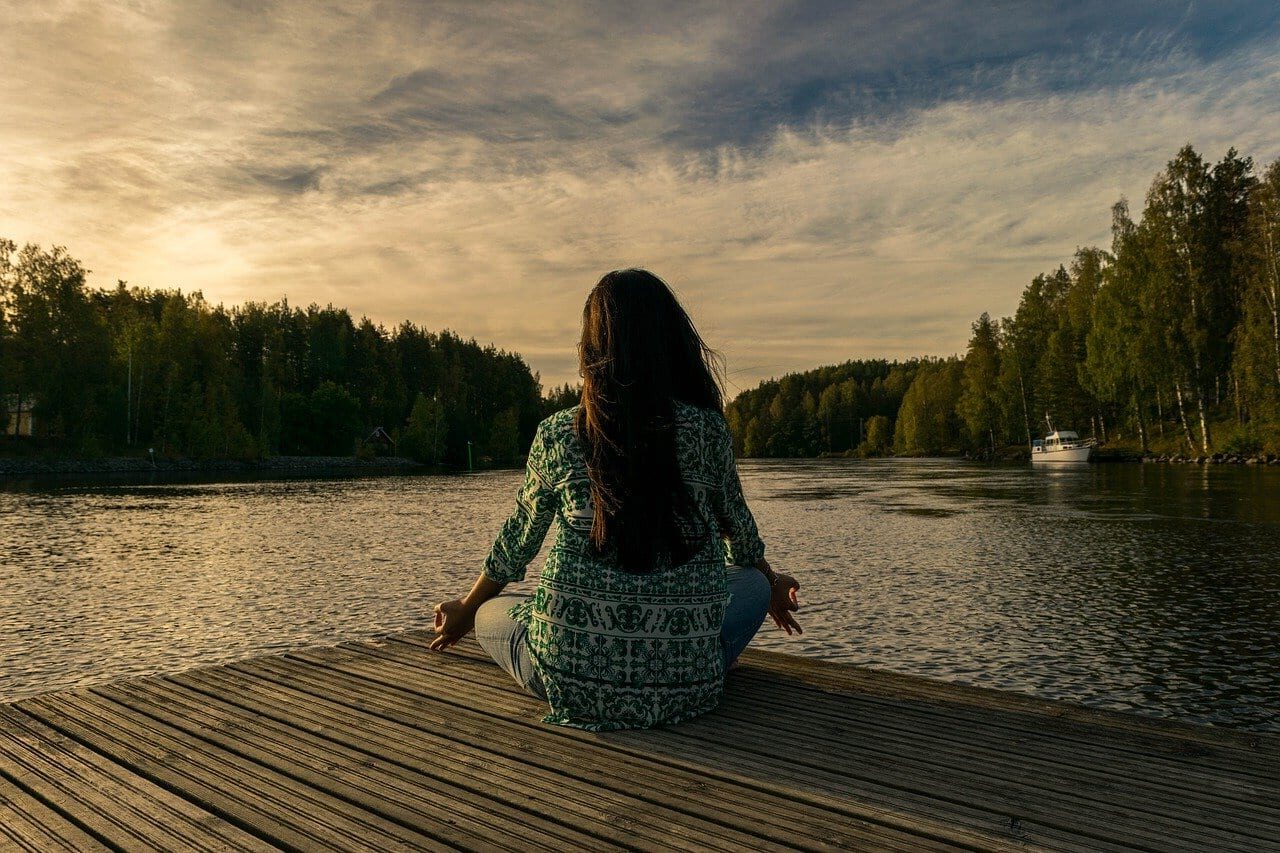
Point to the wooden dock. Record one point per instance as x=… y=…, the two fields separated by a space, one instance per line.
x=386 y=745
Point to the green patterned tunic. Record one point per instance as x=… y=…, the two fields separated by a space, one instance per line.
x=618 y=650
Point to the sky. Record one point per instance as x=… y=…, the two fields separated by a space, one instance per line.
x=817 y=181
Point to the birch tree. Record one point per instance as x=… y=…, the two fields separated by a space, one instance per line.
x=1177 y=224
x=1122 y=347
x=1258 y=338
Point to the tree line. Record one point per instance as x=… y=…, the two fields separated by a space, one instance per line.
x=129 y=369
x=1167 y=340
x=848 y=407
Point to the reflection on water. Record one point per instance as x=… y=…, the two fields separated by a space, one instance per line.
x=1146 y=588
x=1134 y=587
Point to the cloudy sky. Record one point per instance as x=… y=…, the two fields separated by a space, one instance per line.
x=819 y=181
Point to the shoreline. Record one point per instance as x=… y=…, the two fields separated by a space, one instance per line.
x=1257 y=459
x=1124 y=455
x=59 y=467
x=1108 y=456
x=12 y=468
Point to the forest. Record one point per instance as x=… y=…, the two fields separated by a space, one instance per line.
x=1168 y=341
x=127 y=370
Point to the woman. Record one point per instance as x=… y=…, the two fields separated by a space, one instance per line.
x=636 y=617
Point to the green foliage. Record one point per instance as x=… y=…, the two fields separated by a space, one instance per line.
x=504 y=437
x=879 y=440
x=1173 y=330
x=335 y=424
x=424 y=435
x=824 y=410
x=927 y=422
x=129 y=368
x=979 y=404
x=562 y=397
x=1244 y=439
x=56 y=345
x=1256 y=368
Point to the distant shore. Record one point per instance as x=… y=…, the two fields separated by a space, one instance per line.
x=12 y=468
x=1131 y=455
x=1216 y=459
x=59 y=466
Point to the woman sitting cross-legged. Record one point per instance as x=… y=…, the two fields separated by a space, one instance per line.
x=657 y=580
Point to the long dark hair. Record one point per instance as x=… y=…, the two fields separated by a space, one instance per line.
x=639 y=353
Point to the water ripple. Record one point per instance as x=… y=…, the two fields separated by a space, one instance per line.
x=1141 y=588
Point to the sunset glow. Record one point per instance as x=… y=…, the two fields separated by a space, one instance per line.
x=818 y=181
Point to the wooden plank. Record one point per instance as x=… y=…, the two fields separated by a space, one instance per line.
x=1095 y=759
x=832 y=795
x=367 y=779
x=1127 y=815
x=341 y=748
x=1109 y=814
x=1151 y=788
x=383 y=688
x=271 y=806
x=1236 y=758
x=483 y=723
x=1209 y=792
x=932 y=703
x=115 y=806
x=527 y=713
x=1132 y=731
x=714 y=818
x=28 y=824
x=1145 y=789
x=1098 y=820
x=611 y=816
x=1042 y=748
x=366 y=800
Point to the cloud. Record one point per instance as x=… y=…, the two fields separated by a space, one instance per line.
x=291 y=180
x=819 y=182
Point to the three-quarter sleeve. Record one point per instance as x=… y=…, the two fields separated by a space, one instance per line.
x=742 y=543
x=521 y=536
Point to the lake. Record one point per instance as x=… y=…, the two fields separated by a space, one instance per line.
x=1144 y=588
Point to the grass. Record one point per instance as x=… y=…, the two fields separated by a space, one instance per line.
x=1227 y=435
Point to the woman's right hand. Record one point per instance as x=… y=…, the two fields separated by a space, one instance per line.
x=454 y=620
x=783 y=601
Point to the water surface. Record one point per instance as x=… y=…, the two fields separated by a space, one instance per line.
x=1146 y=588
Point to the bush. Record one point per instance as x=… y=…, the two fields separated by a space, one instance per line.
x=424 y=435
x=1244 y=440
x=335 y=419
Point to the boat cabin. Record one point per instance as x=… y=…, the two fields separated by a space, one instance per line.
x=1059 y=439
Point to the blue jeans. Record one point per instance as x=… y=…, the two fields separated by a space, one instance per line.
x=503 y=638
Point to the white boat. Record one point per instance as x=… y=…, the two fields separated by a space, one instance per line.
x=1061 y=446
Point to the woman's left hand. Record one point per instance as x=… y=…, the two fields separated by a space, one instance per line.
x=783 y=601
x=454 y=620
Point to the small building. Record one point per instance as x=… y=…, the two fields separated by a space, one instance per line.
x=381 y=440
x=20 y=418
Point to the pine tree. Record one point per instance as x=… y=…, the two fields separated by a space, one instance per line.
x=979 y=405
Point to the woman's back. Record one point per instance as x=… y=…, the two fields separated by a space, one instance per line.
x=619 y=649
x=632 y=624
